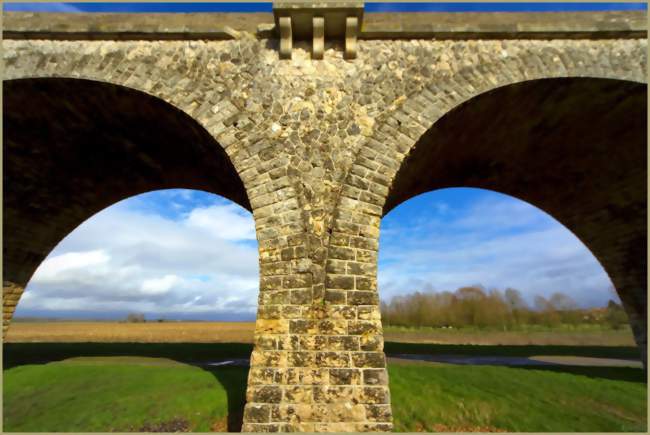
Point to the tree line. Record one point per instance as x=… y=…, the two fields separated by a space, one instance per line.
x=477 y=307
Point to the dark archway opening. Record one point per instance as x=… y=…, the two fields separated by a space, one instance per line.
x=74 y=147
x=574 y=147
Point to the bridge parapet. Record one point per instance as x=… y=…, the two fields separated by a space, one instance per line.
x=220 y=26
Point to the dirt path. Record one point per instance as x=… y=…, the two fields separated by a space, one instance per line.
x=587 y=361
x=514 y=361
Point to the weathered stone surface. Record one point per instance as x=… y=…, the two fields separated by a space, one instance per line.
x=257 y=413
x=265 y=394
x=375 y=377
x=319 y=151
x=369 y=359
x=345 y=376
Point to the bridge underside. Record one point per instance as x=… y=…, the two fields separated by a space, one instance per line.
x=575 y=148
x=74 y=147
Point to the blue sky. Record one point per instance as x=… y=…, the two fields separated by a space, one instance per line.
x=449 y=238
x=190 y=254
x=369 y=7
x=193 y=255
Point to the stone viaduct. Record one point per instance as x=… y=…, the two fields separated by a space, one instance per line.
x=549 y=108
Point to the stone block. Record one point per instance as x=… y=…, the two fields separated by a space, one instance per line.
x=332 y=359
x=302 y=326
x=298 y=394
x=344 y=376
x=364 y=283
x=341 y=312
x=344 y=342
x=368 y=359
x=335 y=296
x=375 y=377
x=271 y=326
x=300 y=359
x=257 y=413
x=363 y=298
x=264 y=394
x=378 y=413
x=364 y=327
x=301 y=296
x=339 y=282
x=375 y=395
x=333 y=327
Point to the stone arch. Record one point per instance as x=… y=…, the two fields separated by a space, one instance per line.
x=521 y=203
x=507 y=138
x=73 y=147
x=181 y=73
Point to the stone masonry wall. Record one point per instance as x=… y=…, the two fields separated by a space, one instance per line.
x=317 y=145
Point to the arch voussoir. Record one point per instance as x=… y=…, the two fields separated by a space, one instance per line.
x=371 y=178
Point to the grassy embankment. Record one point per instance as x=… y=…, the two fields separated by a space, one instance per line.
x=108 y=393
x=489 y=398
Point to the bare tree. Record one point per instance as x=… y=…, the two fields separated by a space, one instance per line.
x=135 y=318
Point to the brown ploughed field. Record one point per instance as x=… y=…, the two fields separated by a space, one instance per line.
x=242 y=332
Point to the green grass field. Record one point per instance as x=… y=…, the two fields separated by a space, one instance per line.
x=489 y=398
x=105 y=394
x=89 y=388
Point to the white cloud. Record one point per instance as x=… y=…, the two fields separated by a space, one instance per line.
x=228 y=222
x=156 y=286
x=55 y=266
x=205 y=262
x=497 y=242
x=129 y=258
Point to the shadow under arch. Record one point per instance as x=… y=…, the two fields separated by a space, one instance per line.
x=73 y=147
x=573 y=147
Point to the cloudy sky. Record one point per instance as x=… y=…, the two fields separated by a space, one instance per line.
x=449 y=238
x=171 y=253
x=193 y=255
x=190 y=254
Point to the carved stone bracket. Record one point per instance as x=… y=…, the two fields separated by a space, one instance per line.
x=319 y=37
x=286 y=38
x=305 y=20
x=351 y=28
